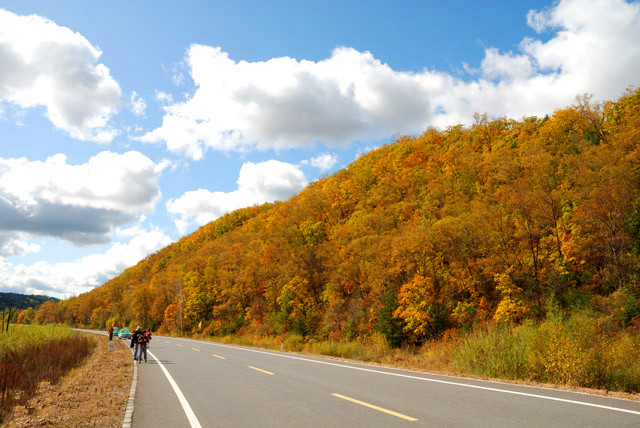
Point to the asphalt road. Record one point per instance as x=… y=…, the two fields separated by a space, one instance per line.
x=188 y=383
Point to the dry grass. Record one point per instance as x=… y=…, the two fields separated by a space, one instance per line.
x=30 y=355
x=92 y=395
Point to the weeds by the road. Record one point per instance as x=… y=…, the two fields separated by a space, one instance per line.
x=578 y=351
x=93 y=394
x=30 y=355
x=581 y=350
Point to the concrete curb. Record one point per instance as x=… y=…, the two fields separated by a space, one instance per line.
x=128 y=413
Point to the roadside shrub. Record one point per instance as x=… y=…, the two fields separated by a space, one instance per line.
x=268 y=342
x=350 y=350
x=561 y=350
x=616 y=364
x=496 y=351
x=372 y=348
x=294 y=342
x=377 y=346
x=581 y=350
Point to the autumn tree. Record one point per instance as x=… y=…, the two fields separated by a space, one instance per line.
x=421 y=309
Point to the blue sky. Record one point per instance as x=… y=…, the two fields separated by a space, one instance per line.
x=125 y=125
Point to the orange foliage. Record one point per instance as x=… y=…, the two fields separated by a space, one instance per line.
x=414 y=236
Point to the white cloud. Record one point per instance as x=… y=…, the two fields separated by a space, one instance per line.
x=285 y=103
x=595 y=48
x=77 y=203
x=163 y=97
x=14 y=244
x=69 y=278
x=323 y=162
x=44 y=64
x=507 y=67
x=257 y=183
x=138 y=106
x=538 y=20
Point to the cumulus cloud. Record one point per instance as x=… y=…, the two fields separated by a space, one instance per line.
x=72 y=278
x=82 y=203
x=506 y=67
x=537 y=19
x=323 y=162
x=257 y=183
x=163 y=97
x=286 y=103
x=15 y=244
x=44 y=64
x=138 y=106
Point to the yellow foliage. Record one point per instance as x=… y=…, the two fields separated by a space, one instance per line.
x=296 y=294
x=511 y=307
x=416 y=300
x=429 y=222
x=464 y=312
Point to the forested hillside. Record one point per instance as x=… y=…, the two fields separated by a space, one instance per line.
x=23 y=307
x=493 y=223
x=21 y=301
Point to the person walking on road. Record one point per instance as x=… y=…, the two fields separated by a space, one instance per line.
x=148 y=334
x=143 y=341
x=111 y=333
x=134 y=341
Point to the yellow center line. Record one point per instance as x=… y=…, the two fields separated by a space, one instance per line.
x=177 y=344
x=380 y=409
x=260 y=370
x=195 y=349
x=218 y=356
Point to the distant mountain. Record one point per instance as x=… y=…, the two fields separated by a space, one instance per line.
x=22 y=301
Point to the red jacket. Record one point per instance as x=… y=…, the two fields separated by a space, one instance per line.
x=142 y=340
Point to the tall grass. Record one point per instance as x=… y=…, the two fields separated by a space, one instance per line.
x=581 y=350
x=576 y=351
x=30 y=355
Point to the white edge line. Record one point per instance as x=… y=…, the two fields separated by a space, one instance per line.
x=185 y=404
x=128 y=412
x=485 y=388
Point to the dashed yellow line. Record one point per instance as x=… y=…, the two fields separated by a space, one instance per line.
x=166 y=341
x=260 y=370
x=196 y=349
x=218 y=356
x=177 y=344
x=372 y=406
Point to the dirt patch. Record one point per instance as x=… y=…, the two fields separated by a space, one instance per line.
x=93 y=395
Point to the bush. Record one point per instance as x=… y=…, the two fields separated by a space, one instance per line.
x=294 y=342
x=561 y=350
x=576 y=351
x=495 y=351
x=350 y=350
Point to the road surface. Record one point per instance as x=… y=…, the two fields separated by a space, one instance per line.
x=189 y=383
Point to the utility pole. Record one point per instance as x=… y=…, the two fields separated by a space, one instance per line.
x=9 y=318
x=180 y=300
x=178 y=286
